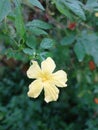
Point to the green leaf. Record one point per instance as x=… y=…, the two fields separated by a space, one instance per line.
x=33 y=3
x=16 y=54
x=93 y=51
x=76 y=7
x=65 y=6
x=79 y=51
x=19 y=23
x=31 y=42
x=47 y=43
x=90 y=42
x=87 y=45
x=68 y=40
x=44 y=55
x=39 y=24
x=5 y=8
x=37 y=31
x=28 y=51
x=63 y=9
x=95 y=88
x=91 y=5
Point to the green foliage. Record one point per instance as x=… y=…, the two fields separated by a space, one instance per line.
x=5 y=8
x=75 y=6
x=74 y=109
x=92 y=5
x=19 y=24
x=39 y=24
x=79 y=50
x=87 y=44
x=47 y=43
x=33 y=3
x=67 y=31
x=62 y=8
x=68 y=40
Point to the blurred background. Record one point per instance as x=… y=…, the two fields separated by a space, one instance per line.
x=65 y=30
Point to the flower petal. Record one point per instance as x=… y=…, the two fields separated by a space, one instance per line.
x=35 y=88
x=60 y=78
x=48 y=65
x=51 y=93
x=34 y=70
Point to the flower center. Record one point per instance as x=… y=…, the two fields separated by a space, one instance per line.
x=45 y=76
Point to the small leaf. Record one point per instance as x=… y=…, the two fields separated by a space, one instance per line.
x=5 y=8
x=16 y=54
x=63 y=9
x=39 y=24
x=47 y=43
x=76 y=7
x=66 y=6
x=80 y=51
x=96 y=89
x=31 y=42
x=44 y=55
x=28 y=51
x=33 y=3
x=37 y=31
x=19 y=24
x=91 y=5
x=68 y=40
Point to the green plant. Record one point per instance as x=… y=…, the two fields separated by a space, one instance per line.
x=34 y=30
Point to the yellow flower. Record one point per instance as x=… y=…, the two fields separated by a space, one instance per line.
x=96 y=14
x=46 y=79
